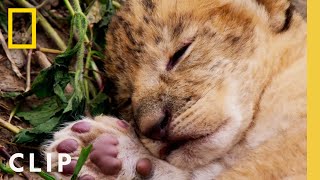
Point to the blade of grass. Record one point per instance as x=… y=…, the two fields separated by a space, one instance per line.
x=82 y=159
x=6 y=169
x=46 y=176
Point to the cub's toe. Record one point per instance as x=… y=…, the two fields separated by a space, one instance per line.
x=102 y=133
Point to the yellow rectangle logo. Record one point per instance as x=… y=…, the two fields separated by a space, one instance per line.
x=33 y=13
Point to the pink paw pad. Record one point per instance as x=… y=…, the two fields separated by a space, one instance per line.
x=86 y=177
x=69 y=169
x=123 y=124
x=67 y=146
x=104 y=155
x=144 y=167
x=81 y=127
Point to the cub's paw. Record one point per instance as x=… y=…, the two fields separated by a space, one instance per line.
x=116 y=152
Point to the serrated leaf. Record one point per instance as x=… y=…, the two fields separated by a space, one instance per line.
x=98 y=104
x=74 y=102
x=102 y=26
x=42 y=113
x=30 y=135
x=82 y=159
x=47 y=126
x=42 y=84
x=60 y=93
x=24 y=136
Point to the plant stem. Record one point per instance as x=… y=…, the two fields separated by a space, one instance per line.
x=9 y=126
x=97 y=75
x=47 y=14
x=69 y=7
x=116 y=4
x=77 y=6
x=51 y=51
x=72 y=12
x=79 y=70
x=92 y=89
x=13 y=112
x=86 y=72
x=42 y=4
x=44 y=23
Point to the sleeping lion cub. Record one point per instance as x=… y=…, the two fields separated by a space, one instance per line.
x=212 y=89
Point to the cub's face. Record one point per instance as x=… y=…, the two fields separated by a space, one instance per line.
x=182 y=70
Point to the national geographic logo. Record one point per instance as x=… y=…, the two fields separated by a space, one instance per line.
x=33 y=13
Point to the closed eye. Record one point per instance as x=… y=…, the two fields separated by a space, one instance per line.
x=177 y=56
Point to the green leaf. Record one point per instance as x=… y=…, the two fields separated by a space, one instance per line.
x=42 y=84
x=30 y=135
x=60 y=93
x=98 y=104
x=10 y=95
x=46 y=176
x=108 y=13
x=79 y=25
x=99 y=54
x=6 y=169
x=102 y=26
x=82 y=159
x=61 y=77
x=42 y=113
x=46 y=127
x=74 y=102
x=24 y=136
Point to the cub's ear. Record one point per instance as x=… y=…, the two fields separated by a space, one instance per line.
x=280 y=13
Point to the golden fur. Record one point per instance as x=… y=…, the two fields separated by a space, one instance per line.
x=237 y=95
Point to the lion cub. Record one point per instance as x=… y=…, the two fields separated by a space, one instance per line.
x=213 y=89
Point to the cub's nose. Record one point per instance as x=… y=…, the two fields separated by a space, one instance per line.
x=160 y=129
x=154 y=125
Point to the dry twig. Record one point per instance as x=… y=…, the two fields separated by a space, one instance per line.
x=42 y=59
x=6 y=50
x=28 y=83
